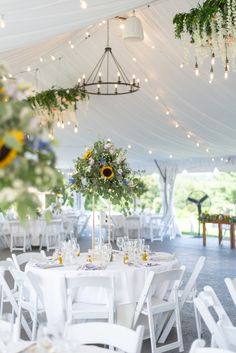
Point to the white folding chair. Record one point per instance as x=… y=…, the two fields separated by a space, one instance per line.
x=164 y=229
x=119 y=337
x=158 y=298
x=22 y=259
x=118 y=226
x=154 y=224
x=19 y=234
x=27 y=301
x=231 y=285
x=206 y=301
x=81 y=309
x=185 y=296
x=133 y=226
x=11 y=298
x=198 y=347
x=3 y=238
x=51 y=235
x=70 y=225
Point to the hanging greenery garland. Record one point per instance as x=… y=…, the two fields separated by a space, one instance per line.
x=211 y=24
x=103 y=171
x=57 y=105
x=27 y=159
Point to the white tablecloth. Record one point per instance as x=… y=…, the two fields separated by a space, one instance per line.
x=26 y=346
x=128 y=282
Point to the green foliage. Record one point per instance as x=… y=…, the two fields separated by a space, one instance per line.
x=202 y=18
x=57 y=99
x=27 y=161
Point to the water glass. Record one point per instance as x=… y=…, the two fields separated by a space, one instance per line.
x=120 y=243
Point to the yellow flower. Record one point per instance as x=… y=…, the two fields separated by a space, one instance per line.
x=88 y=154
x=7 y=155
x=107 y=172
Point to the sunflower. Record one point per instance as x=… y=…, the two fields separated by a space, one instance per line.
x=7 y=154
x=88 y=154
x=107 y=172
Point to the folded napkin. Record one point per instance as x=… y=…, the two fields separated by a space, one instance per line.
x=162 y=256
x=92 y=267
x=46 y=265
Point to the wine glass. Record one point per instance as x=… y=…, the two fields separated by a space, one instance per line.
x=120 y=243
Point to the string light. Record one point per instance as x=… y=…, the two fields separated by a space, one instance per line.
x=87 y=35
x=53 y=58
x=28 y=68
x=188 y=135
x=181 y=65
x=75 y=129
x=167 y=112
x=41 y=60
x=153 y=46
x=207 y=150
x=146 y=80
x=83 y=4
x=129 y=146
x=58 y=123
x=10 y=75
x=156 y=98
x=226 y=73
x=196 y=68
x=122 y=26
x=213 y=159
x=170 y=156
x=211 y=73
x=176 y=125
x=213 y=59
x=198 y=144
x=134 y=59
x=62 y=125
x=150 y=151
x=2 y=22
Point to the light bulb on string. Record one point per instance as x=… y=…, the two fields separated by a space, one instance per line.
x=62 y=124
x=167 y=112
x=58 y=123
x=226 y=73
x=41 y=60
x=83 y=4
x=28 y=68
x=53 y=58
x=2 y=22
x=213 y=59
x=196 y=68
x=76 y=129
x=211 y=74
x=176 y=125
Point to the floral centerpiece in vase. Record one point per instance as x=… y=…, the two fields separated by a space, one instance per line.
x=103 y=171
x=27 y=160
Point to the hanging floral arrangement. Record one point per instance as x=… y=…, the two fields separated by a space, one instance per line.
x=211 y=28
x=103 y=171
x=57 y=105
x=27 y=160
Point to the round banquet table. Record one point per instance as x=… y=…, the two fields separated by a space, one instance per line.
x=128 y=285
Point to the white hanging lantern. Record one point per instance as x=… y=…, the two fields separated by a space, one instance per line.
x=133 y=29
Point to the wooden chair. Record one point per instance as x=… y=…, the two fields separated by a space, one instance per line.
x=81 y=310
x=160 y=298
x=119 y=337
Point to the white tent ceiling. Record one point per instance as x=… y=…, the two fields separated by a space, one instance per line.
x=43 y=28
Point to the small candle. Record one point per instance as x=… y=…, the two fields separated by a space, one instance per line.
x=60 y=259
x=126 y=258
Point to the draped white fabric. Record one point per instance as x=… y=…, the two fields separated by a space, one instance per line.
x=40 y=29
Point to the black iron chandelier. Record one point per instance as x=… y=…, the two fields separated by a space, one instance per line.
x=108 y=77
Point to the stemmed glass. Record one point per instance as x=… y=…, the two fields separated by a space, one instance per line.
x=120 y=243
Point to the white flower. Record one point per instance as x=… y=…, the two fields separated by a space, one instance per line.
x=91 y=161
x=17 y=184
x=8 y=195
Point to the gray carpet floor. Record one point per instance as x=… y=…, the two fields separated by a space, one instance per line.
x=220 y=263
